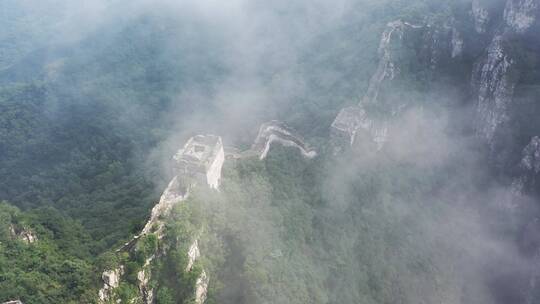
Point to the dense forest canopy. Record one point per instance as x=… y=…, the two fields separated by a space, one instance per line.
x=96 y=97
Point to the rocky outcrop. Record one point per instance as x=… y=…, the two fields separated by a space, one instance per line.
x=529 y=168
x=501 y=55
x=175 y=192
x=201 y=288
x=403 y=45
x=437 y=45
x=523 y=183
x=201 y=285
x=143 y=277
x=13 y=302
x=277 y=132
x=506 y=64
x=111 y=281
x=391 y=56
x=531 y=156
x=193 y=254
x=481 y=16
x=494 y=79
x=457 y=43
x=531 y=291
x=23 y=234
x=199 y=162
x=521 y=15
x=441 y=44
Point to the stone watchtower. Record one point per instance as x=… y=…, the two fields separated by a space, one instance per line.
x=200 y=160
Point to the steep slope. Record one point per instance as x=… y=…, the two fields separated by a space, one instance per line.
x=389 y=219
x=44 y=257
x=426 y=51
x=197 y=165
x=493 y=56
x=199 y=162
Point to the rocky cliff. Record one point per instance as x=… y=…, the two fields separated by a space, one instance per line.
x=531 y=156
x=493 y=54
x=352 y=120
x=173 y=194
x=521 y=15
x=406 y=51
x=524 y=180
x=111 y=281
x=528 y=171
x=481 y=15
x=23 y=234
x=495 y=76
x=487 y=51
x=499 y=73
x=199 y=162
x=489 y=54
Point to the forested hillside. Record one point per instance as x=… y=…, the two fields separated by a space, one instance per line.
x=432 y=199
x=80 y=117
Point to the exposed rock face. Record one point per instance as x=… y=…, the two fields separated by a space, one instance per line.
x=481 y=16
x=25 y=235
x=531 y=294
x=201 y=285
x=457 y=43
x=531 y=156
x=496 y=74
x=441 y=42
x=505 y=65
x=199 y=162
x=143 y=277
x=13 y=302
x=392 y=56
x=494 y=79
x=387 y=69
x=277 y=132
x=391 y=49
x=402 y=45
x=201 y=288
x=520 y=15
x=404 y=49
x=193 y=254
x=517 y=202
x=529 y=168
x=111 y=280
x=173 y=194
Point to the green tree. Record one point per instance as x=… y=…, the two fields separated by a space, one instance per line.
x=165 y=296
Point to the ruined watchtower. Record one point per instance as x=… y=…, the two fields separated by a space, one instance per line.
x=201 y=160
x=346 y=124
x=354 y=121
